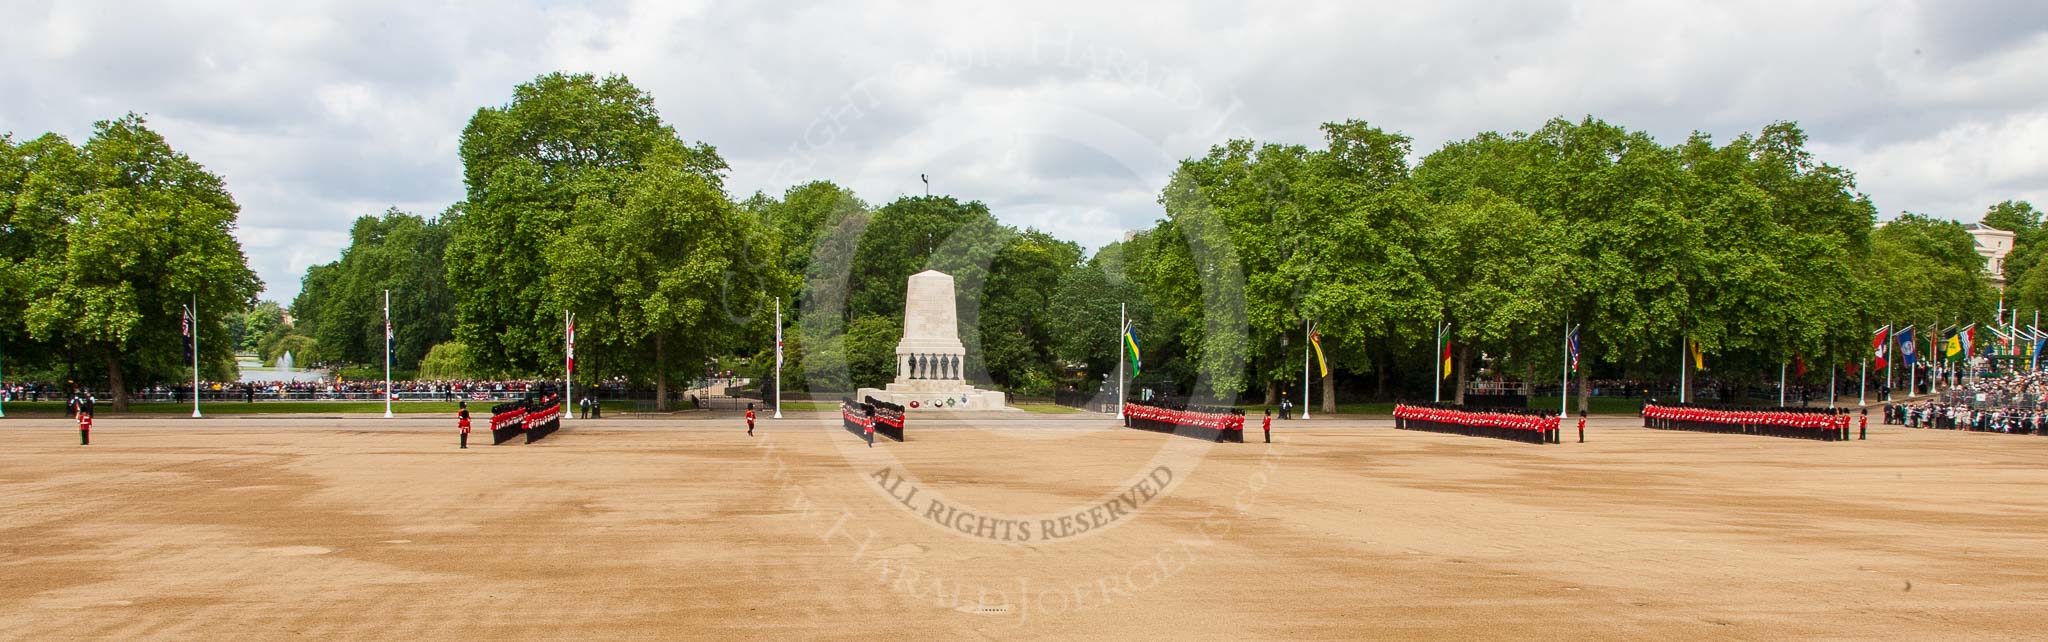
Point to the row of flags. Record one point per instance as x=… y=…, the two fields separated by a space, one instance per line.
x=1953 y=342
x=1957 y=342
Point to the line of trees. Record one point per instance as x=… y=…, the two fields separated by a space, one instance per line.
x=580 y=199
x=1753 y=248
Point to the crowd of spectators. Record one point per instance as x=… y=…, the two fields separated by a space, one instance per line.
x=2010 y=403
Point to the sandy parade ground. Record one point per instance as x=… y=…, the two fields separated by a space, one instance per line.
x=1005 y=526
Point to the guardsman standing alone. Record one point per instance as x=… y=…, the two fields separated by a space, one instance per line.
x=870 y=432
x=84 y=428
x=750 y=419
x=1582 y=426
x=462 y=421
x=1268 y=425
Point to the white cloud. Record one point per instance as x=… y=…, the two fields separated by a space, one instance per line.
x=1062 y=116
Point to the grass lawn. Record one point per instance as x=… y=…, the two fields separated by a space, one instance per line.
x=810 y=405
x=1598 y=406
x=1047 y=408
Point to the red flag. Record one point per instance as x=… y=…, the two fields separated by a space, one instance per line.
x=1798 y=366
x=1880 y=345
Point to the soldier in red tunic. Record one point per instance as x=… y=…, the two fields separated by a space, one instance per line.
x=84 y=428
x=750 y=419
x=462 y=421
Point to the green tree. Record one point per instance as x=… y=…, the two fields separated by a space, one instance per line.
x=566 y=145
x=445 y=362
x=146 y=230
x=1015 y=315
x=666 y=273
x=247 y=330
x=341 y=304
x=1925 y=272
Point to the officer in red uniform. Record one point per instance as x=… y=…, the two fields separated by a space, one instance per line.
x=462 y=421
x=1268 y=426
x=1863 y=425
x=1582 y=426
x=84 y=428
x=750 y=419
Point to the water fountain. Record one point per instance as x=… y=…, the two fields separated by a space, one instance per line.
x=284 y=362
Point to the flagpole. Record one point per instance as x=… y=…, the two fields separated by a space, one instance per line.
x=1862 y=382
x=1684 y=346
x=3 y=386
x=778 y=357
x=1891 y=355
x=1122 y=321
x=1831 y=370
x=568 y=364
x=1436 y=364
x=387 y=354
x=1913 y=369
x=1781 y=384
x=1564 y=388
x=195 y=356
x=1307 y=346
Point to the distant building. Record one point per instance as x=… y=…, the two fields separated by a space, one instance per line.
x=1994 y=244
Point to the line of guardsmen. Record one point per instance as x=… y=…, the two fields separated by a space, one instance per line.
x=1512 y=424
x=1824 y=424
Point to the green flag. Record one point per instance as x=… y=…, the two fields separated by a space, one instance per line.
x=1131 y=347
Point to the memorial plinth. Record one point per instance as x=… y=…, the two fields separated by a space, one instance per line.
x=930 y=360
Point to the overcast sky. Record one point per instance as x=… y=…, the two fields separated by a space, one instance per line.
x=1066 y=119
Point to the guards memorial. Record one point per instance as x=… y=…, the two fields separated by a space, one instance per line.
x=930 y=359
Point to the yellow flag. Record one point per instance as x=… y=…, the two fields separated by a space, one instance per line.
x=1315 y=340
x=1698 y=361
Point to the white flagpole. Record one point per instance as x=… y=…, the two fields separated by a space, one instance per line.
x=1913 y=369
x=387 y=354
x=1436 y=363
x=778 y=357
x=195 y=355
x=1122 y=326
x=1831 y=382
x=1891 y=343
x=3 y=387
x=1564 y=389
x=1307 y=347
x=1781 y=384
x=1862 y=381
x=1684 y=347
x=568 y=364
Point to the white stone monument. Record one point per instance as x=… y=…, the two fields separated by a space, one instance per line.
x=930 y=359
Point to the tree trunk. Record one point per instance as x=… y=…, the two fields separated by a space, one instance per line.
x=1273 y=392
x=118 y=388
x=660 y=377
x=1330 y=395
x=1382 y=365
x=1585 y=387
x=1464 y=356
x=1529 y=379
